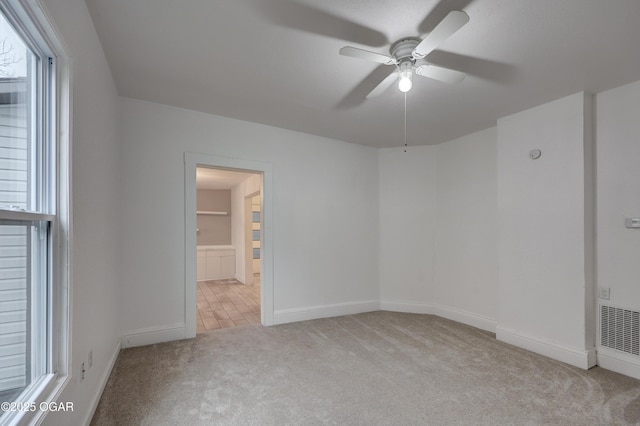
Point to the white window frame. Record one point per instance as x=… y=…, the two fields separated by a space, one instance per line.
x=30 y=19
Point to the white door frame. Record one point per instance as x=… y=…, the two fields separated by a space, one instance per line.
x=191 y=161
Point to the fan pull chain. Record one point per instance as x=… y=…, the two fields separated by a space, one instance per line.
x=405 y=121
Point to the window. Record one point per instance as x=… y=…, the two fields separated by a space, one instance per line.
x=29 y=211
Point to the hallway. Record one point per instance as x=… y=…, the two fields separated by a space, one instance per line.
x=227 y=303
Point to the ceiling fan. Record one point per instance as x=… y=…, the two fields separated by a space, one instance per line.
x=407 y=54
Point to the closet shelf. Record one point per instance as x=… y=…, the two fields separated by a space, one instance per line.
x=212 y=213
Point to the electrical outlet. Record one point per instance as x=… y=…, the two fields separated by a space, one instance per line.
x=90 y=358
x=603 y=293
x=83 y=371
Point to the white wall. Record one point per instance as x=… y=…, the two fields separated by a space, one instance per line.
x=466 y=259
x=618 y=194
x=618 y=154
x=542 y=245
x=96 y=301
x=325 y=215
x=437 y=229
x=407 y=221
x=245 y=188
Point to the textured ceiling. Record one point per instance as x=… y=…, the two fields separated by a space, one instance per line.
x=276 y=61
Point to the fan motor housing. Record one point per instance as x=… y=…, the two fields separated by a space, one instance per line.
x=403 y=48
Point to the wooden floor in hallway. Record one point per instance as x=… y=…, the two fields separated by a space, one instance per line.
x=227 y=303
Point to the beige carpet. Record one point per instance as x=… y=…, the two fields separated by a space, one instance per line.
x=376 y=368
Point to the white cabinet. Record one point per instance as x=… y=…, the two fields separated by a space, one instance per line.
x=215 y=263
x=201 y=265
x=228 y=265
x=212 y=267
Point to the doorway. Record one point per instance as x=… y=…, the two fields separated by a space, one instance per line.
x=220 y=291
x=225 y=296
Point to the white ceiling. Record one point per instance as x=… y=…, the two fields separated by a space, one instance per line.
x=276 y=61
x=208 y=178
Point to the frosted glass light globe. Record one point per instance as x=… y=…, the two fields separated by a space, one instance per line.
x=405 y=76
x=405 y=84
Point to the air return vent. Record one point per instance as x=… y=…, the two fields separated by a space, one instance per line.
x=620 y=329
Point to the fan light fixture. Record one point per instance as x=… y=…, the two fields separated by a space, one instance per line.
x=405 y=76
x=408 y=55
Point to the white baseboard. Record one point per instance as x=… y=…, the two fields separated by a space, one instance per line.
x=454 y=314
x=324 y=311
x=584 y=359
x=580 y=358
x=465 y=317
x=151 y=335
x=619 y=362
x=408 y=307
x=103 y=383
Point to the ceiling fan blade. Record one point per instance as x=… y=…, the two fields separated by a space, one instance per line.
x=354 y=52
x=383 y=86
x=451 y=23
x=441 y=74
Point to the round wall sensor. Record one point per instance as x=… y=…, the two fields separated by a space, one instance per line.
x=534 y=154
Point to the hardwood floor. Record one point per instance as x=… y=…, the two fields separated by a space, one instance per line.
x=227 y=303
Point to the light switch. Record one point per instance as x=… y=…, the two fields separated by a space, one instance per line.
x=632 y=222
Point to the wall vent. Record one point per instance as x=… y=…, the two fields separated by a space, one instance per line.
x=620 y=329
